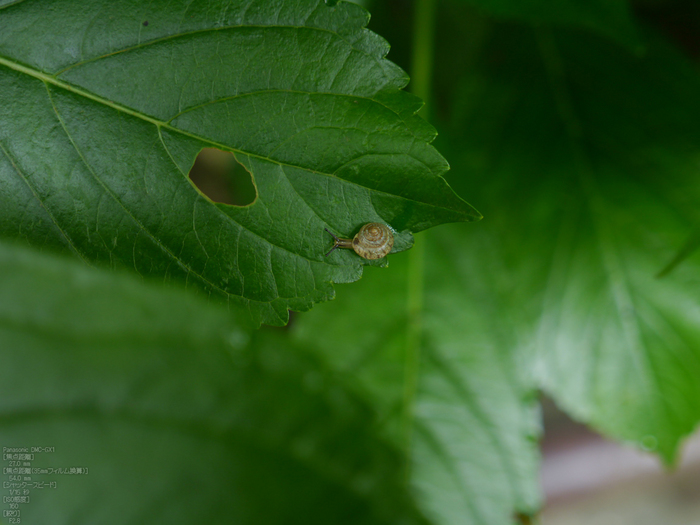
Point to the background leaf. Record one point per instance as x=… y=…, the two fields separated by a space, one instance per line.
x=597 y=195
x=455 y=398
x=177 y=416
x=612 y=19
x=103 y=108
x=583 y=158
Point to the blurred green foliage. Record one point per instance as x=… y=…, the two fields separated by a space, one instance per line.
x=573 y=126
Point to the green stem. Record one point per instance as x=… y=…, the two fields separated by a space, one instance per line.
x=423 y=52
x=414 y=331
x=422 y=69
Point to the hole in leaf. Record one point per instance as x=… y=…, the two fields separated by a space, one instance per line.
x=219 y=176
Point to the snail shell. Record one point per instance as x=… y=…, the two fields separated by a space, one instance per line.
x=373 y=241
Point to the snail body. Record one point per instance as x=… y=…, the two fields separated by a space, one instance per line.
x=373 y=241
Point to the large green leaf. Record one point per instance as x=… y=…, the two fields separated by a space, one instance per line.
x=448 y=392
x=175 y=415
x=104 y=106
x=587 y=167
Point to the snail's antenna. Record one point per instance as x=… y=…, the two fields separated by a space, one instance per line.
x=337 y=242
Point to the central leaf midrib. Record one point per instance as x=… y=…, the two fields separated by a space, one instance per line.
x=50 y=79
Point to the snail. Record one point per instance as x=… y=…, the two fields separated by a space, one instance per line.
x=373 y=241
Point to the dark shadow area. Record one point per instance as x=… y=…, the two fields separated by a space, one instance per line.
x=678 y=20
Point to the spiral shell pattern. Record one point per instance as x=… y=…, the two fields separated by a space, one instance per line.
x=373 y=241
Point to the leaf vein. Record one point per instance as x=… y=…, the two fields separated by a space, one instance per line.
x=43 y=206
